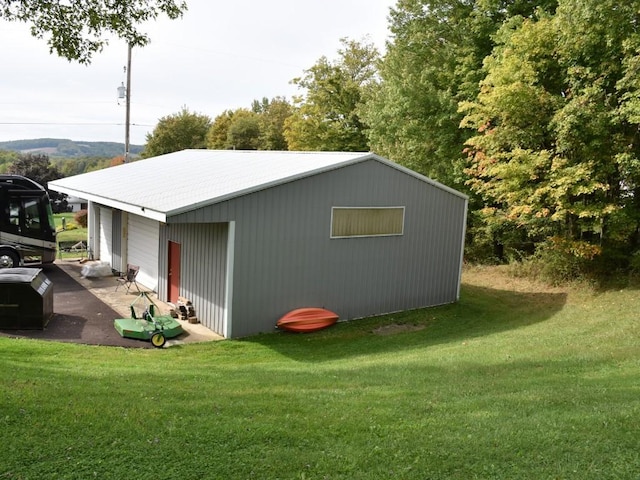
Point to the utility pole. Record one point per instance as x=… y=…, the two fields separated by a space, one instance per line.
x=128 y=106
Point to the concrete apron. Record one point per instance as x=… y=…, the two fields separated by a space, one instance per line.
x=104 y=288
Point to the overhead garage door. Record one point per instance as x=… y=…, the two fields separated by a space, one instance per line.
x=106 y=235
x=143 y=249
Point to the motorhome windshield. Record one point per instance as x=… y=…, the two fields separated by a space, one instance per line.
x=27 y=228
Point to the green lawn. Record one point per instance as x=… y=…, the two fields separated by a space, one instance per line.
x=515 y=381
x=74 y=234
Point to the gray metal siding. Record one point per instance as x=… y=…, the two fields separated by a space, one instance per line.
x=203 y=257
x=284 y=258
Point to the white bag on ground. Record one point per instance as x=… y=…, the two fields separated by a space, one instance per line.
x=93 y=270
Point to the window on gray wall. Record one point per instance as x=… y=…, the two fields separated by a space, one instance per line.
x=349 y=222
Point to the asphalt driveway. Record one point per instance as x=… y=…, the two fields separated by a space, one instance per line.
x=79 y=316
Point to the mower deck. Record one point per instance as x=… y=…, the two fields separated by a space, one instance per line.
x=148 y=326
x=143 y=329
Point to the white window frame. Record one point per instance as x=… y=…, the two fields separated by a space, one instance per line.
x=393 y=234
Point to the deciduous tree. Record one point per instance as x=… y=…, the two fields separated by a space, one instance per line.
x=261 y=128
x=177 y=132
x=77 y=29
x=272 y=117
x=217 y=136
x=433 y=62
x=327 y=116
x=555 y=153
x=6 y=158
x=244 y=130
x=35 y=166
x=115 y=161
x=38 y=168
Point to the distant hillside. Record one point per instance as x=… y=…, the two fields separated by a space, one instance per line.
x=56 y=147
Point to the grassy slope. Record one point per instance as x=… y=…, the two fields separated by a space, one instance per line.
x=75 y=234
x=514 y=381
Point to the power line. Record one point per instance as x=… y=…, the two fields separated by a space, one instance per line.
x=85 y=124
x=62 y=102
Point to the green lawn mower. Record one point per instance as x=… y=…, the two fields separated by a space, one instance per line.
x=148 y=325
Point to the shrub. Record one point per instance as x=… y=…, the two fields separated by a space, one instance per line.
x=69 y=226
x=559 y=260
x=81 y=218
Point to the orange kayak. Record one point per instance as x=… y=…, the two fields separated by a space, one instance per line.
x=307 y=320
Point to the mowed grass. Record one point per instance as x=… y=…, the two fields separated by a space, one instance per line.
x=74 y=234
x=514 y=381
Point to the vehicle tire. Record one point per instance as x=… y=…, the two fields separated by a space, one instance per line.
x=158 y=340
x=9 y=259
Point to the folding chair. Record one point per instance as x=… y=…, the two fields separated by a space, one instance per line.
x=128 y=278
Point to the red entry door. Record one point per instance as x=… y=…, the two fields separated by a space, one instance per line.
x=174 y=271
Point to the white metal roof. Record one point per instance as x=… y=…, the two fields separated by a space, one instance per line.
x=177 y=182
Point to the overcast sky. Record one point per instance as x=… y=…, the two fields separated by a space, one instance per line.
x=220 y=55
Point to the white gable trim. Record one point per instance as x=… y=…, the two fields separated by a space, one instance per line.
x=110 y=202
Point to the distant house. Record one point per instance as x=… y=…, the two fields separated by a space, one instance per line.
x=76 y=204
x=251 y=235
x=69 y=204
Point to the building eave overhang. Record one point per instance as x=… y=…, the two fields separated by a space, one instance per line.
x=140 y=210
